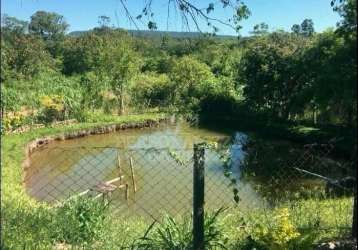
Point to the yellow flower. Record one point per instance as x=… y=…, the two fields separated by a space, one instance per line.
x=52 y=102
x=285 y=230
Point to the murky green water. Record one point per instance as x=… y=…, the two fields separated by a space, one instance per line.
x=162 y=162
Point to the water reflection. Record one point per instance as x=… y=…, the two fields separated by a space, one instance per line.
x=162 y=160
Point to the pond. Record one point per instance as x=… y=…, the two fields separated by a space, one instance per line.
x=162 y=159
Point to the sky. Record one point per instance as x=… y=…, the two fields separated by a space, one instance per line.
x=83 y=14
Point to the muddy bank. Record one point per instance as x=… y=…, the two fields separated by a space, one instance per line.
x=40 y=142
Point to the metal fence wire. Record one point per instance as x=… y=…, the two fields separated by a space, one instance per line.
x=150 y=182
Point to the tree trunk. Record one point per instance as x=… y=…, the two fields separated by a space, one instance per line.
x=314 y=116
x=350 y=117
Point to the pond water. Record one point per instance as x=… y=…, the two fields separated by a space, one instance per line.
x=162 y=164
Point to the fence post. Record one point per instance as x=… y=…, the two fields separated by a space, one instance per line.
x=198 y=197
x=354 y=222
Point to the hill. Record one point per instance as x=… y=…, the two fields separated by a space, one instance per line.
x=159 y=34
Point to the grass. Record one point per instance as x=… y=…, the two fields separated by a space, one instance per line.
x=29 y=224
x=317 y=218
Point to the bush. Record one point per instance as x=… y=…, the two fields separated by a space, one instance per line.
x=278 y=233
x=80 y=221
x=52 y=108
x=10 y=99
x=13 y=121
x=191 y=80
x=151 y=90
x=171 y=234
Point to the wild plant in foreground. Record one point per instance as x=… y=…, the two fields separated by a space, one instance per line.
x=174 y=235
x=80 y=221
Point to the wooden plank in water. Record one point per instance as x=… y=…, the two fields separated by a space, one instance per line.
x=88 y=190
x=119 y=164
x=115 y=180
x=104 y=188
x=127 y=192
x=101 y=194
x=132 y=173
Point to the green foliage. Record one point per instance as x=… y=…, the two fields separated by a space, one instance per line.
x=151 y=90
x=347 y=9
x=107 y=62
x=80 y=221
x=26 y=57
x=289 y=77
x=9 y=99
x=278 y=75
x=293 y=225
x=13 y=25
x=156 y=60
x=266 y=72
x=260 y=29
x=47 y=25
x=171 y=234
x=12 y=121
x=96 y=89
x=70 y=91
x=333 y=94
x=307 y=28
x=192 y=79
x=52 y=108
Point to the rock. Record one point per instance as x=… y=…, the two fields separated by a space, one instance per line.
x=338 y=245
x=340 y=187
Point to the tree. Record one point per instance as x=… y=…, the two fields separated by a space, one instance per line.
x=48 y=25
x=307 y=28
x=118 y=60
x=13 y=25
x=331 y=67
x=347 y=9
x=151 y=89
x=104 y=21
x=25 y=57
x=296 y=29
x=191 y=80
x=109 y=55
x=268 y=70
x=260 y=29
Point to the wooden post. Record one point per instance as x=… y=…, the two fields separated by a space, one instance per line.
x=119 y=167
x=127 y=192
x=198 y=197
x=132 y=173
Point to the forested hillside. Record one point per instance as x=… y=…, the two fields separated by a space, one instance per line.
x=161 y=34
x=298 y=76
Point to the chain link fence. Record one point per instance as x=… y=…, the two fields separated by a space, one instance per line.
x=244 y=176
x=146 y=182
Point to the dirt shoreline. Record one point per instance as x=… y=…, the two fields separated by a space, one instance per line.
x=33 y=145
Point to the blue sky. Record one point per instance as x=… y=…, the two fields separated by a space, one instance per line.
x=83 y=14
